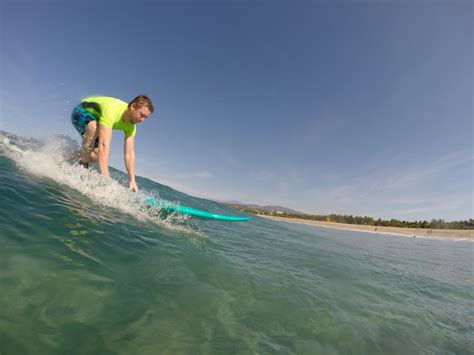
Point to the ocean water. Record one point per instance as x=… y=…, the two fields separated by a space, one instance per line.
x=85 y=268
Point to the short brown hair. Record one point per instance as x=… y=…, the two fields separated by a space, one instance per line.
x=140 y=101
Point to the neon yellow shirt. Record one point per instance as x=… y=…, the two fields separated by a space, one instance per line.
x=108 y=111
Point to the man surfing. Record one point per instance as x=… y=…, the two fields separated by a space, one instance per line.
x=95 y=118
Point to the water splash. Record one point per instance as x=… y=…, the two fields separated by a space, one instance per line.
x=51 y=159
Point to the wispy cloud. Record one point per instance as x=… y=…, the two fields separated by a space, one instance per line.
x=152 y=166
x=401 y=179
x=406 y=201
x=395 y=189
x=184 y=186
x=202 y=174
x=281 y=183
x=432 y=207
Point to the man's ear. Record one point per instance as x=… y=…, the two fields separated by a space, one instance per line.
x=133 y=106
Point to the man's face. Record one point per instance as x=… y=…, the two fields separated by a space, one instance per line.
x=138 y=115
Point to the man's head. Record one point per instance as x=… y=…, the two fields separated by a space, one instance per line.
x=140 y=108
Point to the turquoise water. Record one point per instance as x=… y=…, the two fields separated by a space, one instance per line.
x=85 y=269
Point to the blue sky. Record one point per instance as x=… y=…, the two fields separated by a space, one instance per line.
x=353 y=107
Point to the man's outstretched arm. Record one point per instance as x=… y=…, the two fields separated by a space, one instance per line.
x=129 y=156
x=105 y=136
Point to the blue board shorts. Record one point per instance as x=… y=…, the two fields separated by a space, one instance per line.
x=80 y=117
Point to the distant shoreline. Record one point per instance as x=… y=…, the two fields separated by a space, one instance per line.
x=445 y=234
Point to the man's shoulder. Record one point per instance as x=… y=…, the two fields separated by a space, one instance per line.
x=130 y=130
x=106 y=100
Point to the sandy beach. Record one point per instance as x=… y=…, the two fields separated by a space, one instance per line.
x=451 y=234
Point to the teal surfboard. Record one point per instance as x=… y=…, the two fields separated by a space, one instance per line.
x=168 y=206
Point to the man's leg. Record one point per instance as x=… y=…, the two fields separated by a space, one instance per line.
x=85 y=123
x=88 y=140
x=95 y=154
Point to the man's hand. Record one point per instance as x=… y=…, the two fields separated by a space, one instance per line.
x=133 y=186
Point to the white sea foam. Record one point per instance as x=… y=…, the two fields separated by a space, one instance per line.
x=51 y=160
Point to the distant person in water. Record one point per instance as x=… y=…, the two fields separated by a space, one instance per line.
x=95 y=118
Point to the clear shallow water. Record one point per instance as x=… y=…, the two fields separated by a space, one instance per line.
x=95 y=273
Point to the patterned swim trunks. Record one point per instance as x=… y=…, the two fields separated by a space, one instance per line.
x=80 y=117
